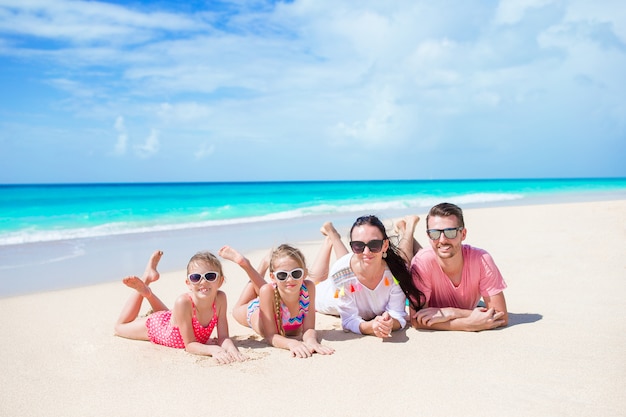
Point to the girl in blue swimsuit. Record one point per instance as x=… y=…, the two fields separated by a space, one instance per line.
x=279 y=310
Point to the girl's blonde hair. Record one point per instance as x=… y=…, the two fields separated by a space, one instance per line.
x=284 y=251
x=287 y=251
x=208 y=258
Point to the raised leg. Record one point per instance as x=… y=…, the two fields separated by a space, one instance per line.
x=128 y=325
x=264 y=264
x=232 y=255
x=406 y=239
x=240 y=309
x=332 y=241
x=150 y=275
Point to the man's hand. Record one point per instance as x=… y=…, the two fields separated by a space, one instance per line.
x=431 y=315
x=485 y=319
x=474 y=320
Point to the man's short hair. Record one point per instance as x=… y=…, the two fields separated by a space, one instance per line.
x=445 y=210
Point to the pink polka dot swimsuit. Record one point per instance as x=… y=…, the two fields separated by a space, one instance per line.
x=161 y=332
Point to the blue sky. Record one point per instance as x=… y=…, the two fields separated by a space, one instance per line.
x=311 y=90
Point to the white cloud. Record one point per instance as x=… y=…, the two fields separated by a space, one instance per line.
x=74 y=87
x=80 y=22
x=488 y=98
x=512 y=11
x=374 y=125
x=150 y=147
x=204 y=151
x=309 y=74
x=609 y=12
x=184 y=112
x=122 y=136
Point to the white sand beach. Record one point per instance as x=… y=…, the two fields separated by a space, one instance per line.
x=563 y=353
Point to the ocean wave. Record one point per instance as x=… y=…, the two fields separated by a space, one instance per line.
x=31 y=235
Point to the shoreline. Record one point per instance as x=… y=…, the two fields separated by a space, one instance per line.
x=90 y=261
x=562 y=353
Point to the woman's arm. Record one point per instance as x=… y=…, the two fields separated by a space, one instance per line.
x=380 y=326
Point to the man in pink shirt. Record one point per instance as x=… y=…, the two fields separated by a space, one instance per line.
x=454 y=277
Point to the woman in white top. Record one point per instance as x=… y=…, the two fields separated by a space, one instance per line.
x=367 y=288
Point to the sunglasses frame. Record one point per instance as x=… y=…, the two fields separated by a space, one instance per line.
x=289 y=274
x=445 y=232
x=217 y=275
x=368 y=245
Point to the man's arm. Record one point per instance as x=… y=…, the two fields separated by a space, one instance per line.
x=498 y=303
x=492 y=316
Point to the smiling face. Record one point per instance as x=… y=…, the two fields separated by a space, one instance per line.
x=446 y=248
x=288 y=264
x=204 y=287
x=366 y=233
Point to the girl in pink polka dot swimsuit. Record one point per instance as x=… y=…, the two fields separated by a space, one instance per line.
x=190 y=323
x=283 y=310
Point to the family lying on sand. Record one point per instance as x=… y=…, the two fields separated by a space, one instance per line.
x=368 y=289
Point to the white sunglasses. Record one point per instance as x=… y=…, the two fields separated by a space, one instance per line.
x=294 y=273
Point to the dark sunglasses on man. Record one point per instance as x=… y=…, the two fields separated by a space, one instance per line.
x=449 y=233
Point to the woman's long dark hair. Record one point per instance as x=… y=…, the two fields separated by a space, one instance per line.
x=396 y=263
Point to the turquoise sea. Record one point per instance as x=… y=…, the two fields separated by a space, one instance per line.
x=79 y=234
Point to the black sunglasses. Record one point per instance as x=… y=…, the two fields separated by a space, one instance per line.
x=375 y=245
x=450 y=232
x=209 y=276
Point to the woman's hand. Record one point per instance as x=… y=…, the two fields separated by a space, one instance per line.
x=382 y=326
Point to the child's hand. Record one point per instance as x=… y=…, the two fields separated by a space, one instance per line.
x=223 y=357
x=321 y=349
x=300 y=350
x=238 y=356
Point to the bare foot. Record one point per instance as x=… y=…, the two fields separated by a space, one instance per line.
x=151 y=274
x=405 y=228
x=400 y=227
x=138 y=285
x=328 y=229
x=411 y=221
x=231 y=254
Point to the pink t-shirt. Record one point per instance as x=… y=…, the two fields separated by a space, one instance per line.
x=480 y=277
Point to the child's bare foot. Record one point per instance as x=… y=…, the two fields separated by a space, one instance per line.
x=231 y=254
x=328 y=229
x=151 y=274
x=138 y=285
